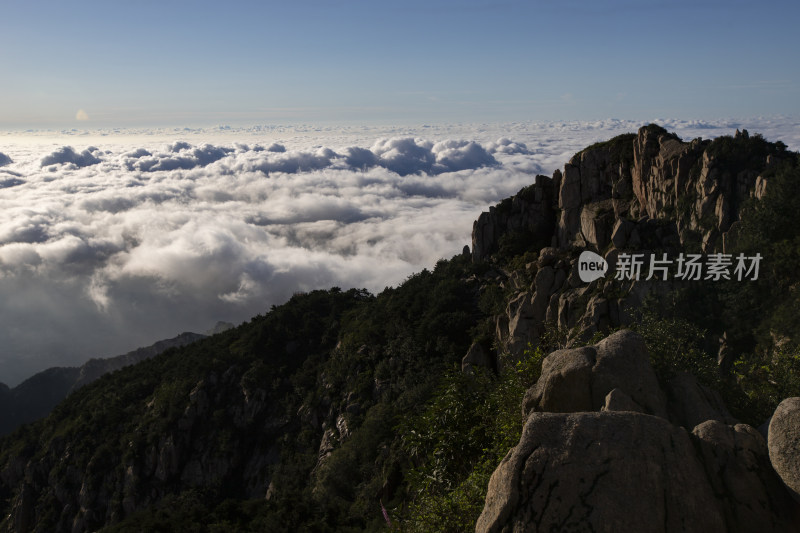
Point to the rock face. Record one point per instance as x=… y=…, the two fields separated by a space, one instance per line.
x=605 y=449
x=692 y=403
x=784 y=443
x=661 y=172
x=529 y=212
x=749 y=494
x=594 y=190
x=684 y=462
x=580 y=379
x=645 y=193
x=600 y=472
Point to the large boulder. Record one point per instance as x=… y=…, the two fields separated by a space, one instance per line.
x=784 y=443
x=691 y=403
x=579 y=379
x=601 y=450
x=565 y=383
x=749 y=493
x=601 y=472
x=616 y=400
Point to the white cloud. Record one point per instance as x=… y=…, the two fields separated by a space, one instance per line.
x=505 y=145
x=112 y=246
x=181 y=156
x=67 y=155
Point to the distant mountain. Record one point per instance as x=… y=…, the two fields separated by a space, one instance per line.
x=35 y=397
x=94 y=368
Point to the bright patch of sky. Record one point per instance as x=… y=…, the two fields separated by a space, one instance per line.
x=198 y=62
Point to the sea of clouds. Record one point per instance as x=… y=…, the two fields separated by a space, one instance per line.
x=110 y=240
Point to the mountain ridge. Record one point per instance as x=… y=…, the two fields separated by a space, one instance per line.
x=318 y=413
x=36 y=396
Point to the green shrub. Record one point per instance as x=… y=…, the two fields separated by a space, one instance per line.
x=676 y=346
x=457 y=442
x=767 y=380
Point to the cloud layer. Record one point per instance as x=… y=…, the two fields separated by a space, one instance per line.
x=113 y=242
x=104 y=249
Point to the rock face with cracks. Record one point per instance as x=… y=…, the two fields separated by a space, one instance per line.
x=604 y=448
x=617 y=471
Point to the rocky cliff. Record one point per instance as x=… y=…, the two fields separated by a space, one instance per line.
x=606 y=445
x=609 y=193
x=643 y=193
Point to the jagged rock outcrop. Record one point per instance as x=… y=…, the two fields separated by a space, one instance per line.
x=593 y=192
x=661 y=171
x=527 y=312
x=598 y=452
x=529 y=214
x=695 y=183
x=643 y=193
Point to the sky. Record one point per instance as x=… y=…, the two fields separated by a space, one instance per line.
x=167 y=165
x=152 y=63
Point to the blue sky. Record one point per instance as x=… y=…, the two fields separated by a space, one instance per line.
x=172 y=62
